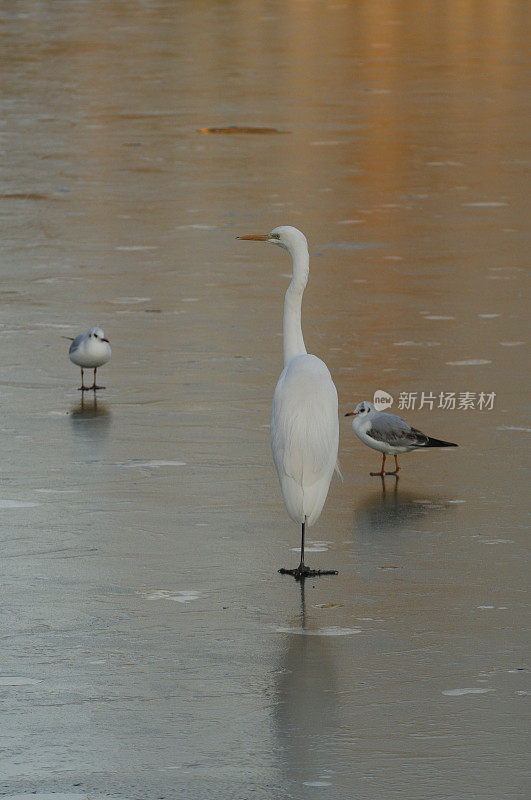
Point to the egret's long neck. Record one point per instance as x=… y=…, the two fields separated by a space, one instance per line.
x=292 y=329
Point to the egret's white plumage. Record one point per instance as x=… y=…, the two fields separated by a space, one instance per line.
x=304 y=419
x=305 y=435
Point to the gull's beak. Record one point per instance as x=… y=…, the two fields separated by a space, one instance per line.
x=351 y=413
x=106 y=340
x=255 y=237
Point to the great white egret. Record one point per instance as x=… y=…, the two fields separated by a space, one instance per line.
x=90 y=351
x=389 y=434
x=304 y=418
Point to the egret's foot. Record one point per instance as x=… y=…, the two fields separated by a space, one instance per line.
x=395 y=473
x=83 y=388
x=303 y=572
x=378 y=474
x=95 y=388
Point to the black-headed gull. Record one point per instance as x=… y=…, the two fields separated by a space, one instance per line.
x=389 y=434
x=90 y=351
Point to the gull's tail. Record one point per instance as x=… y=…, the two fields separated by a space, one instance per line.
x=439 y=443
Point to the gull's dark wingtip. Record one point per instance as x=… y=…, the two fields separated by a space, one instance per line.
x=439 y=443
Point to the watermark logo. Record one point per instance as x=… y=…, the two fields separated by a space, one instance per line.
x=382 y=400
x=447 y=401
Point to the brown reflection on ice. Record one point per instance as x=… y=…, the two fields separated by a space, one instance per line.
x=241 y=129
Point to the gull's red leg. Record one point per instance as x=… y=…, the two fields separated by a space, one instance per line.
x=382 y=471
x=83 y=388
x=397 y=468
x=94 y=386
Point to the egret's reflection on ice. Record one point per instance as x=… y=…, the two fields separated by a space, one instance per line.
x=307 y=715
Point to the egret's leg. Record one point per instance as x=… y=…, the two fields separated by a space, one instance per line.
x=397 y=468
x=94 y=387
x=302 y=570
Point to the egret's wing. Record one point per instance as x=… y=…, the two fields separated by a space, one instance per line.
x=395 y=431
x=304 y=421
x=76 y=342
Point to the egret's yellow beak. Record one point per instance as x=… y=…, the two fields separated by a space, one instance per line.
x=255 y=237
x=351 y=413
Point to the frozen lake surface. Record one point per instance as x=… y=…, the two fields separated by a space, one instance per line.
x=150 y=649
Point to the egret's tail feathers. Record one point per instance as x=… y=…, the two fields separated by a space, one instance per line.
x=439 y=443
x=337 y=470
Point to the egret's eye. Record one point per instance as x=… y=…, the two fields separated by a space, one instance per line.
x=275 y=236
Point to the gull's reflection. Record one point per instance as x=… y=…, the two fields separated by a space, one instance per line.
x=390 y=510
x=307 y=713
x=90 y=418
